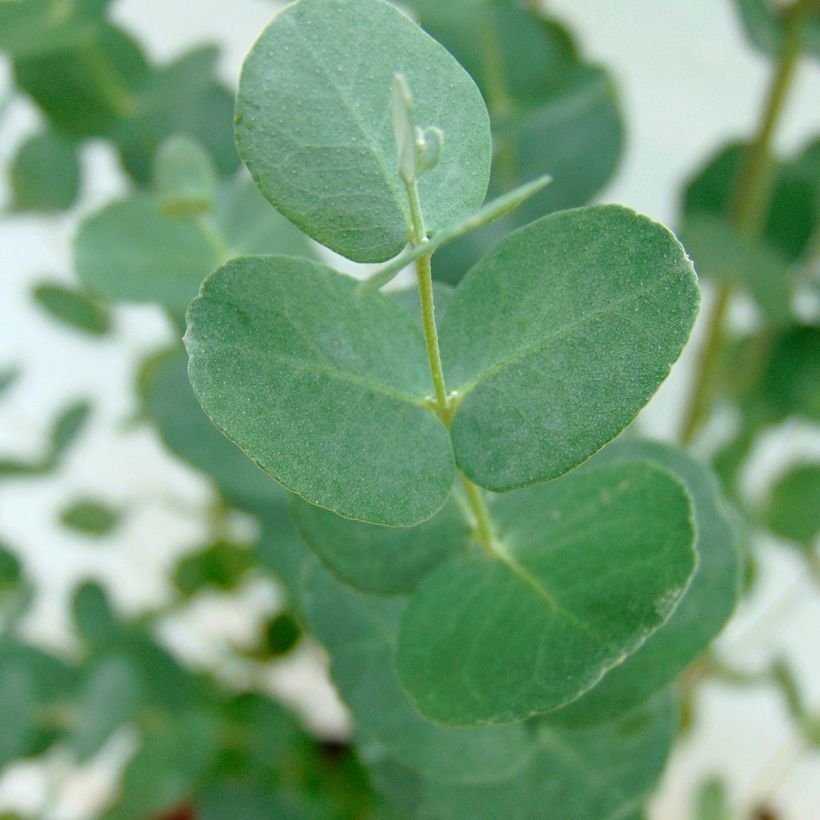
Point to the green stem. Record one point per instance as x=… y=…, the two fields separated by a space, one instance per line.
x=418 y=236
x=749 y=209
x=428 y=307
x=428 y=315
x=483 y=523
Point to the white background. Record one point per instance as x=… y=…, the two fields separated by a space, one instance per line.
x=687 y=81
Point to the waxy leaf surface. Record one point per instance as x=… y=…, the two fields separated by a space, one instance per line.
x=595 y=773
x=323 y=389
x=383 y=560
x=585 y=569
x=132 y=251
x=705 y=607
x=359 y=632
x=314 y=125
x=558 y=337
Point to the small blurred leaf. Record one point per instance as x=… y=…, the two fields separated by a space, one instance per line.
x=221 y=566
x=764 y=263
x=184 y=177
x=720 y=252
x=16 y=704
x=45 y=174
x=130 y=251
x=90 y=517
x=793 y=510
x=9 y=374
x=791 y=217
x=73 y=307
x=281 y=634
x=712 y=801
x=182 y=97
x=10 y=569
x=81 y=105
x=36 y=27
x=765 y=24
x=93 y=616
x=67 y=428
x=174 y=756
x=110 y=696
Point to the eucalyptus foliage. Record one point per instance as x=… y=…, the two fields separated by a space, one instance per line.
x=516 y=607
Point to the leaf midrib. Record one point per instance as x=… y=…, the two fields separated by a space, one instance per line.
x=391 y=182
x=337 y=375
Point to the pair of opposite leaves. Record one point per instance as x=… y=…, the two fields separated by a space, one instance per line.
x=552 y=343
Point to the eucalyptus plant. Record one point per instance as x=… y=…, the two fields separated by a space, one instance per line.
x=517 y=609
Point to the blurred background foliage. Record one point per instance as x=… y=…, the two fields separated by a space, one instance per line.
x=198 y=747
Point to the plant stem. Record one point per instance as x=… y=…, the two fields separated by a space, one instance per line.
x=751 y=200
x=483 y=523
x=475 y=498
x=428 y=314
x=428 y=307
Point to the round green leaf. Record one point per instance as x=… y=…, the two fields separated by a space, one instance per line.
x=45 y=174
x=558 y=337
x=131 y=251
x=313 y=124
x=598 y=773
x=585 y=569
x=708 y=603
x=383 y=560
x=359 y=631
x=324 y=390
